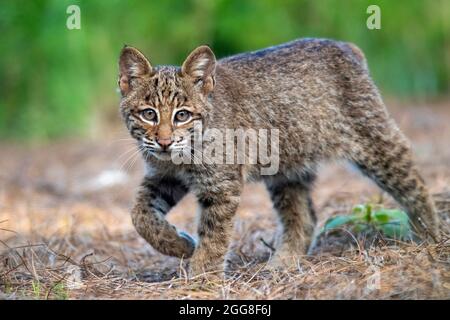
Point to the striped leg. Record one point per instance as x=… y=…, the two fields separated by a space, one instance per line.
x=293 y=202
x=218 y=199
x=154 y=199
x=387 y=160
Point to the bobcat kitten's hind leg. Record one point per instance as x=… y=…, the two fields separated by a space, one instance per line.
x=388 y=160
x=293 y=202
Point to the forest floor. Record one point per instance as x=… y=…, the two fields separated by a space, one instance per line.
x=66 y=232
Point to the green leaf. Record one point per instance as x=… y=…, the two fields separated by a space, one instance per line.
x=359 y=209
x=337 y=222
x=362 y=212
x=354 y=223
x=393 y=223
x=380 y=217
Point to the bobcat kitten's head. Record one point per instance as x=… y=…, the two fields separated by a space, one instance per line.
x=159 y=104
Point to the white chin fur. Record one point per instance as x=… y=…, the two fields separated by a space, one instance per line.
x=163 y=156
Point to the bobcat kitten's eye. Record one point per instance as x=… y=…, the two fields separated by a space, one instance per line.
x=182 y=116
x=148 y=115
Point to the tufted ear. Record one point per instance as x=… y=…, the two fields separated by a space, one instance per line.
x=200 y=66
x=132 y=64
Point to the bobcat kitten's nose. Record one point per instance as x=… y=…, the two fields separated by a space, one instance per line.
x=164 y=143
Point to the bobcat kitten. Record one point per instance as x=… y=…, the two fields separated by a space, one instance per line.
x=317 y=92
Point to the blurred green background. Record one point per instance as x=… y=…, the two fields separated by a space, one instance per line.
x=57 y=82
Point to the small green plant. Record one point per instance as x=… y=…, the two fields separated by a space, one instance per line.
x=60 y=291
x=7 y=288
x=392 y=223
x=37 y=288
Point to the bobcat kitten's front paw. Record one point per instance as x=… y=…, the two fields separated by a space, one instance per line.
x=189 y=244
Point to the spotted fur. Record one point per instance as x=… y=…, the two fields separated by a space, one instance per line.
x=317 y=92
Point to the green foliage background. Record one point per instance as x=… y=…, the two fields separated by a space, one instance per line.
x=57 y=82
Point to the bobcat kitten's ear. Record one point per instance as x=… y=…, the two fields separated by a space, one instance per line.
x=200 y=66
x=132 y=64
